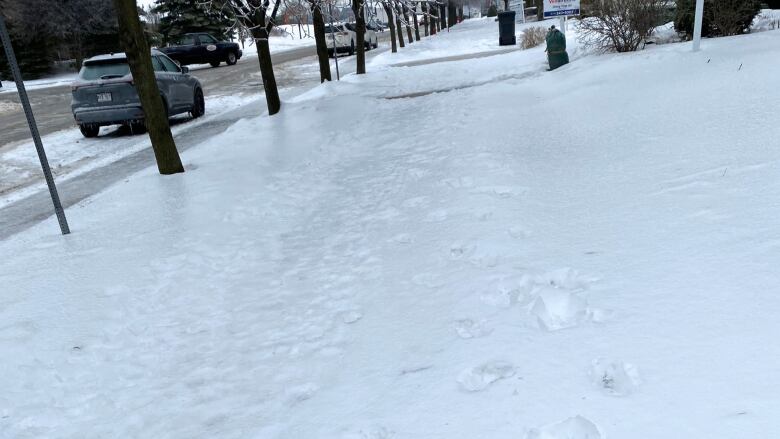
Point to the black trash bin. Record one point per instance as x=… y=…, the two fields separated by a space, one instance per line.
x=506 y=28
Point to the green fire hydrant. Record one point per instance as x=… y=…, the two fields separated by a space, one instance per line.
x=556 y=48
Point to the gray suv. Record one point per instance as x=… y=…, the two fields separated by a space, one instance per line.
x=104 y=93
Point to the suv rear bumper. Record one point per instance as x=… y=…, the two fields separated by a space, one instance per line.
x=108 y=115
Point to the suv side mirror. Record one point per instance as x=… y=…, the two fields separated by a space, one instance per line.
x=185 y=70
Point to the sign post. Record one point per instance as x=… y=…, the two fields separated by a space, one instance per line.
x=335 y=47
x=561 y=9
x=697 y=25
x=55 y=198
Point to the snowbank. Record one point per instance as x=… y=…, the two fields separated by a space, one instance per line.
x=9 y=86
x=501 y=259
x=768 y=19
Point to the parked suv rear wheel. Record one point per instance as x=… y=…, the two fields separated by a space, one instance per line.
x=89 y=131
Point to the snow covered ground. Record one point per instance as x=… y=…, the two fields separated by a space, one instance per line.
x=9 y=86
x=504 y=252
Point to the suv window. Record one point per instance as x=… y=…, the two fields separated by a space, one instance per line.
x=169 y=65
x=105 y=70
x=329 y=29
x=207 y=39
x=157 y=64
x=187 y=40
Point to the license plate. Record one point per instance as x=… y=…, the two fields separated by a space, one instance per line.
x=104 y=97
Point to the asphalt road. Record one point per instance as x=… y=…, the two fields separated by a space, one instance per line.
x=51 y=106
x=295 y=71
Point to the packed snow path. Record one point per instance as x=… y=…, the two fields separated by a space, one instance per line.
x=557 y=256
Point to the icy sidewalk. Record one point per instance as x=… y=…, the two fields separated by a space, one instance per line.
x=546 y=256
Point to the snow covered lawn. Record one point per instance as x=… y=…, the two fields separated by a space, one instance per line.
x=503 y=253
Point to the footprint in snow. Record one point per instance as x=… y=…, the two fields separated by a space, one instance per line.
x=462 y=182
x=501 y=191
x=350 y=317
x=479 y=378
x=572 y=428
x=371 y=433
x=401 y=238
x=460 y=250
x=467 y=328
x=518 y=232
x=300 y=393
x=614 y=378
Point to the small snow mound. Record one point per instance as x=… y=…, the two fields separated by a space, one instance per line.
x=614 y=378
x=480 y=377
x=572 y=428
x=557 y=309
x=468 y=328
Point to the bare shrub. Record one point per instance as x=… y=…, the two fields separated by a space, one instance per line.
x=533 y=36
x=618 y=25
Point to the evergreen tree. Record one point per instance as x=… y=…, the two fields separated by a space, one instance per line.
x=179 y=17
x=721 y=17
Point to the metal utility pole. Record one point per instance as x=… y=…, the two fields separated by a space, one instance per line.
x=697 y=25
x=333 y=34
x=11 y=56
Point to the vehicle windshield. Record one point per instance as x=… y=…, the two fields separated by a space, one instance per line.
x=105 y=69
x=330 y=29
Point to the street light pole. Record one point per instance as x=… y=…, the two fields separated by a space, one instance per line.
x=333 y=34
x=697 y=25
x=17 y=74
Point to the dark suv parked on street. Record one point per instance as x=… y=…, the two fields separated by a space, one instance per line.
x=104 y=93
x=200 y=48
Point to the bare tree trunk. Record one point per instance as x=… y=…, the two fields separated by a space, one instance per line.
x=539 y=10
x=391 y=26
x=267 y=70
x=427 y=16
x=398 y=26
x=319 y=39
x=139 y=57
x=416 y=24
x=408 y=24
x=434 y=18
x=452 y=11
x=360 y=30
x=443 y=16
x=260 y=26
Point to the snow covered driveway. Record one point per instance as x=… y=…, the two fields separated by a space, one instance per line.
x=542 y=255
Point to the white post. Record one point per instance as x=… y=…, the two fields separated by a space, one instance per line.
x=697 y=25
x=563 y=25
x=522 y=10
